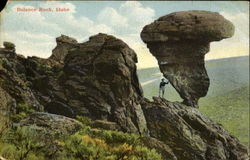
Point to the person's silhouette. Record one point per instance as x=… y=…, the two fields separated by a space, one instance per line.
x=162 y=87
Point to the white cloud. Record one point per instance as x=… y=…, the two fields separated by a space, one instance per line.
x=137 y=14
x=36 y=31
x=129 y=18
x=31 y=44
x=127 y=22
x=112 y=18
x=238 y=45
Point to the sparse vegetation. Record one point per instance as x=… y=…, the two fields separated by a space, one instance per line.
x=22 y=111
x=25 y=143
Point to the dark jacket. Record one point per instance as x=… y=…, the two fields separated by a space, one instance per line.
x=162 y=84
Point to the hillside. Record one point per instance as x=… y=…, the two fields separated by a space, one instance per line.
x=231 y=110
x=227 y=98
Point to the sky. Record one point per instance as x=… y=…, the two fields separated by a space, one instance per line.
x=34 y=33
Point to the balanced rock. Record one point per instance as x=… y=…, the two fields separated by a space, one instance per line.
x=190 y=134
x=180 y=41
x=64 y=44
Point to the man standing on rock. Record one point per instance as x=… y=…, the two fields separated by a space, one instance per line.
x=162 y=87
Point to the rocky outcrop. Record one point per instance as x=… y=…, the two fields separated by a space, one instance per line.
x=14 y=89
x=179 y=41
x=190 y=134
x=52 y=123
x=98 y=80
x=64 y=44
x=9 y=46
x=8 y=50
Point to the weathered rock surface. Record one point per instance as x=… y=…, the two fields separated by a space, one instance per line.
x=13 y=89
x=190 y=134
x=100 y=81
x=64 y=44
x=52 y=123
x=160 y=147
x=179 y=41
x=6 y=103
x=97 y=79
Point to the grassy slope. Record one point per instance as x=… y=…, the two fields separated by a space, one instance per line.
x=231 y=110
x=227 y=101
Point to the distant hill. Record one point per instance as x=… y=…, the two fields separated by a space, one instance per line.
x=227 y=101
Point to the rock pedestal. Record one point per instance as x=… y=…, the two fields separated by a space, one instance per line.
x=179 y=41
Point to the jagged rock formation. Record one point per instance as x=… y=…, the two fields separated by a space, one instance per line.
x=64 y=44
x=190 y=134
x=101 y=77
x=98 y=79
x=14 y=89
x=179 y=41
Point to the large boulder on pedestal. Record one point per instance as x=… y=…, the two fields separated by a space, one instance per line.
x=179 y=41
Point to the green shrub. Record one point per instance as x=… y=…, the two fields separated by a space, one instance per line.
x=6 y=64
x=84 y=120
x=85 y=147
x=114 y=137
x=107 y=145
x=21 y=143
x=22 y=111
x=32 y=143
x=4 y=125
